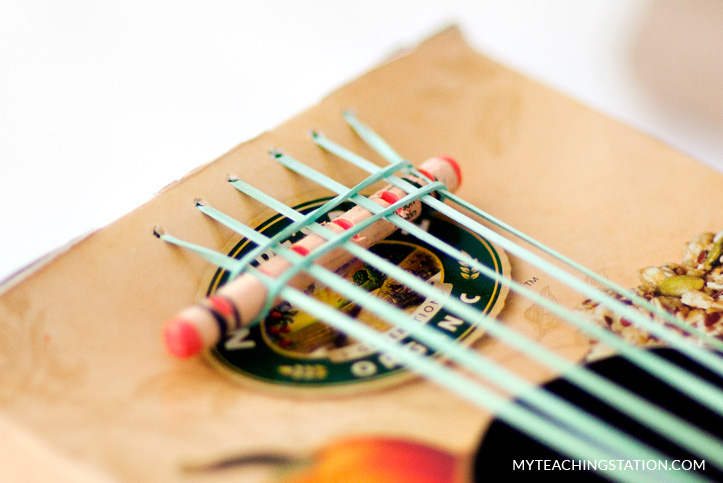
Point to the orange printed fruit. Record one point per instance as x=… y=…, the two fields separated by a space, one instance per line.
x=379 y=460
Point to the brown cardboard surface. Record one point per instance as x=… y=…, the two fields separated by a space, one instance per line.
x=83 y=370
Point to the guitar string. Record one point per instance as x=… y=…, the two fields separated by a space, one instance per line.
x=441 y=344
x=377 y=143
x=707 y=446
x=232 y=267
x=385 y=310
x=592 y=440
x=602 y=388
x=466 y=358
x=704 y=391
x=539 y=428
x=685 y=434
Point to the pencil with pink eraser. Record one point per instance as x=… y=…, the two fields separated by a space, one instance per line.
x=237 y=303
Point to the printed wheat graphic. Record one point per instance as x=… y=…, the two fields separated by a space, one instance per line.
x=467 y=271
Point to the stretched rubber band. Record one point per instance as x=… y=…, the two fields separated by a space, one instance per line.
x=708 y=394
x=387 y=152
x=677 y=430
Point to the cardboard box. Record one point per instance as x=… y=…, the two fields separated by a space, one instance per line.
x=89 y=393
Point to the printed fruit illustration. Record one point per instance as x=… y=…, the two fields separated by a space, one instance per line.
x=361 y=459
x=378 y=460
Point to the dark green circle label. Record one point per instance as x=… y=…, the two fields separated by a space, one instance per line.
x=294 y=350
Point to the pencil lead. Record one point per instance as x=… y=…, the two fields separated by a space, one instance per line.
x=158 y=231
x=199 y=202
x=232 y=177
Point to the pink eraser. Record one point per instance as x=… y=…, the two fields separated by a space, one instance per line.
x=182 y=338
x=455 y=167
x=427 y=174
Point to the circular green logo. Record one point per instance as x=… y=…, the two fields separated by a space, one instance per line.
x=292 y=350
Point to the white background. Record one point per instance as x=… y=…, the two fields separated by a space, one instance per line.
x=102 y=104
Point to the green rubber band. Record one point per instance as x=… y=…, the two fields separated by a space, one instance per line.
x=707 y=446
x=296 y=226
x=387 y=152
x=691 y=438
x=330 y=245
x=638 y=408
x=212 y=256
x=623 y=445
x=553 y=407
x=371 y=138
x=515 y=415
x=712 y=396
x=652 y=416
x=697 y=440
x=707 y=394
x=703 y=336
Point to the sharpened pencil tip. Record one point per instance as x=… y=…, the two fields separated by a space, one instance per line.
x=199 y=202
x=314 y=133
x=232 y=177
x=275 y=153
x=157 y=231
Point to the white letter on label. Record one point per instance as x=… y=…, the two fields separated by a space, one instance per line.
x=237 y=341
x=450 y=323
x=388 y=361
x=464 y=298
x=364 y=369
